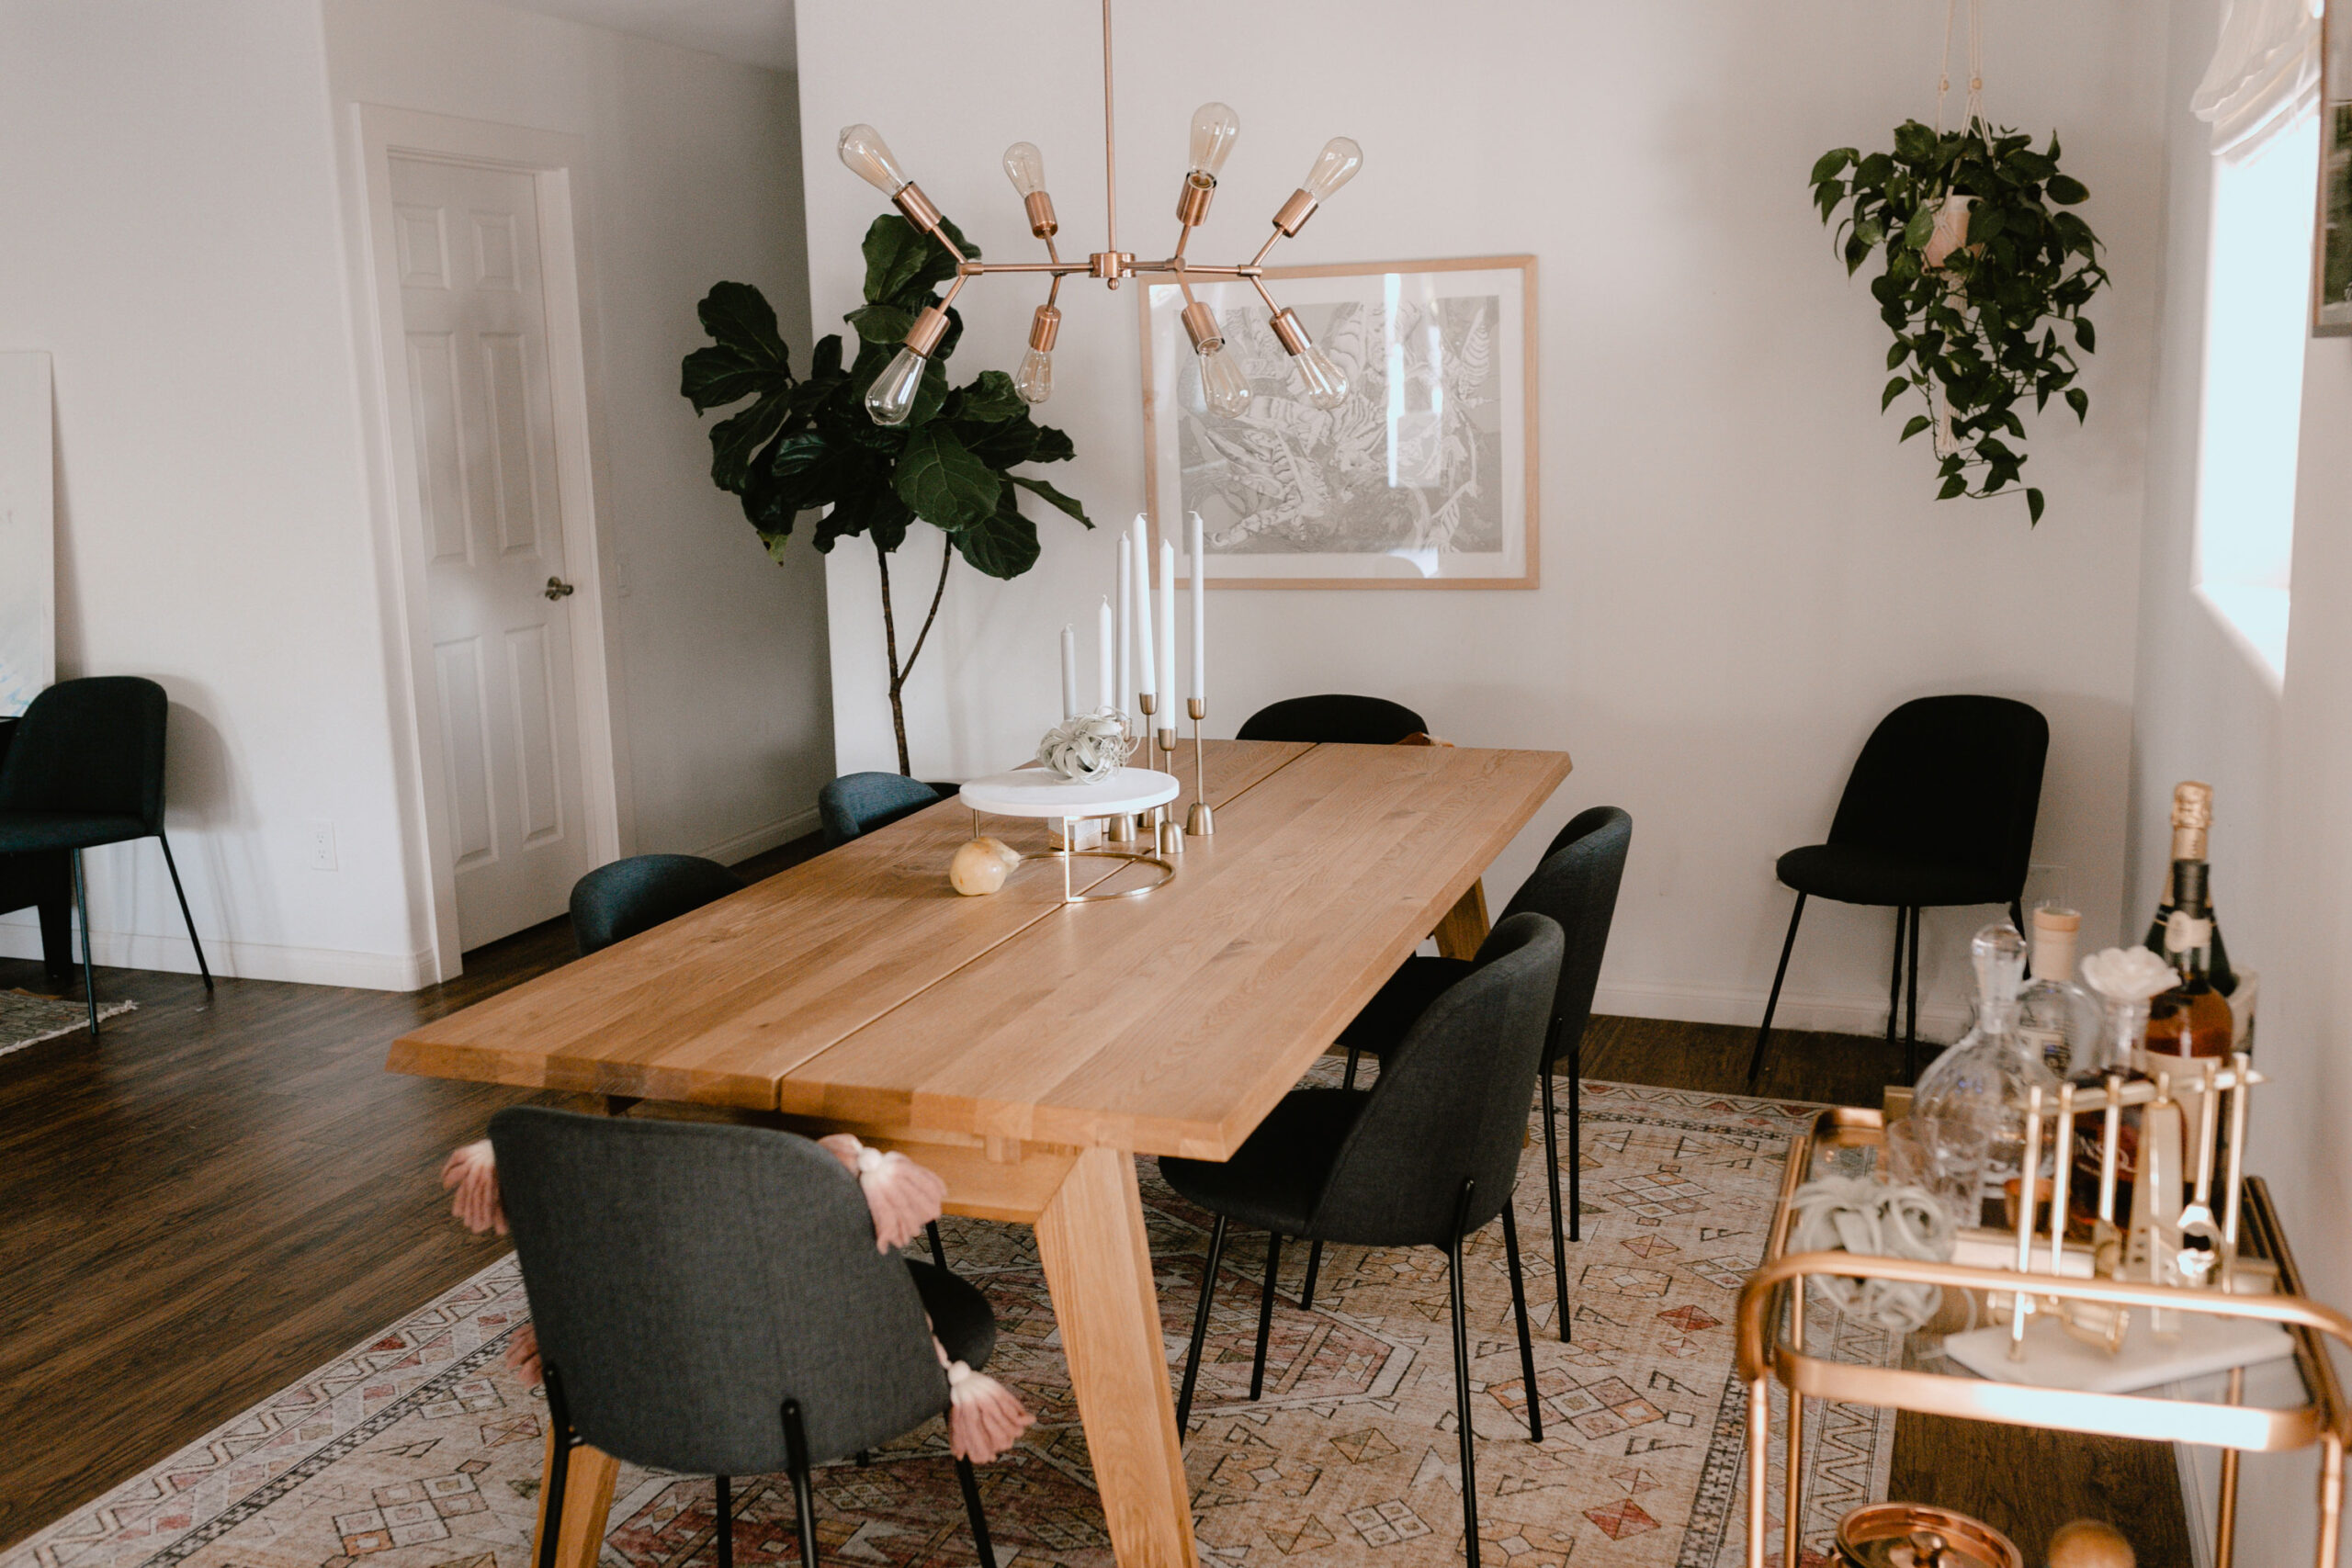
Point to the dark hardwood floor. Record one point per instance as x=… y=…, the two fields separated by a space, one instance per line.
x=224 y=1191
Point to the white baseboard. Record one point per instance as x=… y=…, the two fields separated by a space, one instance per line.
x=1728 y=1004
x=760 y=839
x=244 y=960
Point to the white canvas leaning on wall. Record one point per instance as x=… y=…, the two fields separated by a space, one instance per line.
x=28 y=573
x=1424 y=477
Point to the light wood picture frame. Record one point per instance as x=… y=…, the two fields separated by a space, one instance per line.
x=1426 y=476
x=28 y=531
x=2331 y=235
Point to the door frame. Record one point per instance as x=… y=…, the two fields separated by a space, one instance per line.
x=555 y=161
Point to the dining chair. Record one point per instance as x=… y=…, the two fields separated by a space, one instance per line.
x=86 y=769
x=1939 y=810
x=1425 y=1157
x=615 y=902
x=1334 y=719
x=857 y=803
x=1575 y=885
x=708 y=1300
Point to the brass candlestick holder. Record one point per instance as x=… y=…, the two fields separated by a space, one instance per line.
x=1172 y=836
x=1120 y=829
x=1200 y=821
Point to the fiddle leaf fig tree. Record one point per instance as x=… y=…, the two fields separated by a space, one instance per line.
x=1985 y=269
x=801 y=444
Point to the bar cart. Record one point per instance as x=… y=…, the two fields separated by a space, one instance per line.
x=1772 y=1344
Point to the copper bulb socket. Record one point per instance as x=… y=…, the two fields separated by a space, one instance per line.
x=1044 y=327
x=1042 y=220
x=1200 y=325
x=928 y=328
x=1289 y=333
x=1295 y=212
x=1193 y=202
x=917 y=208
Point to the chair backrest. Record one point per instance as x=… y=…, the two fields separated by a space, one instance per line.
x=1575 y=885
x=857 y=803
x=93 y=747
x=1334 y=719
x=615 y=902
x=686 y=1278
x=1451 y=1101
x=1955 y=780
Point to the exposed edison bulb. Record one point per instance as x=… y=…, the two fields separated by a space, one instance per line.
x=1334 y=166
x=1326 y=383
x=867 y=156
x=1035 y=379
x=892 y=397
x=1214 y=129
x=1026 y=168
x=1222 y=385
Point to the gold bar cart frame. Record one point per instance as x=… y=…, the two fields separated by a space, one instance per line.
x=1771 y=1346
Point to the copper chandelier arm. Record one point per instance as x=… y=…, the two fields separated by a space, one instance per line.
x=1057 y=268
x=1271 y=241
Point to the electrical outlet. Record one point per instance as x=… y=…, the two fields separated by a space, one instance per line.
x=321 y=841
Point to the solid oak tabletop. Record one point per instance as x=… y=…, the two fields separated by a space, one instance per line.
x=858 y=987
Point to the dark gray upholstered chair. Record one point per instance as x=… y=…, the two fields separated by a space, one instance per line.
x=615 y=902
x=855 y=804
x=708 y=1300
x=1334 y=719
x=87 y=768
x=1939 y=810
x=1425 y=1157
x=1575 y=885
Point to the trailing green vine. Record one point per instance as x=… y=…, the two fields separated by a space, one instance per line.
x=1983 y=267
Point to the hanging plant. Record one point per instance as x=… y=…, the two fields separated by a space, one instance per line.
x=1983 y=268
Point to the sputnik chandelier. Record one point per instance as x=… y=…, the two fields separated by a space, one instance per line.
x=1215 y=126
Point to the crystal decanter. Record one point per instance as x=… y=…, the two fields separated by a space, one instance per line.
x=1984 y=1080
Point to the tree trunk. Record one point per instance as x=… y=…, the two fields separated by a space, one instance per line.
x=899 y=673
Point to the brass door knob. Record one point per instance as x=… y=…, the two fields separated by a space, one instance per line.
x=558 y=589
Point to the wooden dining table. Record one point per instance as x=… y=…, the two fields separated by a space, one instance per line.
x=1028 y=1049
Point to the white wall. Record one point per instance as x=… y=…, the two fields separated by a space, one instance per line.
x=693 y=174
x=172 y=240
x=1742 y=571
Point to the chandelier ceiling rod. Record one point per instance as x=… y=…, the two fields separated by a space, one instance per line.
x=891 y=398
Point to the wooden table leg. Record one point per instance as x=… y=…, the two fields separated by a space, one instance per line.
x=1465 y=926
x=587 y=1500
x=1098 y=1268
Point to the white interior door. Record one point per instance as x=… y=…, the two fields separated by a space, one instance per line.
x=474 y=320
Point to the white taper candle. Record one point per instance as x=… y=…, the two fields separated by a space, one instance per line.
x=1069 y=672
x=1146 y=677
x=1168 y=627
x=1126 y=591
x=1106 y=694
x=1200 y=619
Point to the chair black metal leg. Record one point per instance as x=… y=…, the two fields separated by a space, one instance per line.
x=1894 y=984
x=1265 y=1313
x=1462 y=1380
x=1911 y=1018
x=2017 y=918
x=1313 y=1267
x=89 y=964
x=722 y=1525
x=558 y=1423
x=972 y=1511
x=1551 y=1177
x=938 y=1247
x=1772 y=1002
x=1348 y=1078
x=1575 y=1141
x=189 y=920
x=804 y=1495
x=1200 y=1325
x=1519 y=1310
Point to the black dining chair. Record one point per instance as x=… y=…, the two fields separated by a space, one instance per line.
x=1334 y=719
x=1425 y=1157
x=86 y=769
x=708 y=1300
x=1575 y=885
x=1939 y=811
x=615 y=902
x=857 y=803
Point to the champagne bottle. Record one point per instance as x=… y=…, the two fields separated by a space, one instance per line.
x=2192 y=814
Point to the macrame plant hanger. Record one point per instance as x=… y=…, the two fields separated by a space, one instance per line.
x=1951 y=215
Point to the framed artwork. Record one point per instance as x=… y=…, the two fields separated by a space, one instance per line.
x=1424 y=477
x=27 y=575
x=2332 y=251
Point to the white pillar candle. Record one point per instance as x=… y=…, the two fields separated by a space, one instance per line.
x=1200 y=620
x=1069 y=672
x=1126 y=591
x=1168 y=628
x=1105 y=672
x=1147 y=679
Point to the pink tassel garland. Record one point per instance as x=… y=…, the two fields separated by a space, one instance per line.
x=902 y=1196
x=523 y=1356
x=984 y=1418
x=472 y=1172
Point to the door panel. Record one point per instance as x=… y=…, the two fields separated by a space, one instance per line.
x=474 y=312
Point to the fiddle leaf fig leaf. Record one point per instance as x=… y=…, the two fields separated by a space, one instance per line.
x=1051 y=496
x=1001 y=545
x=942 y=483
x=748 y=356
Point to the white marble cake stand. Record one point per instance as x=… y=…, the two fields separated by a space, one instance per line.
x=1034 y=792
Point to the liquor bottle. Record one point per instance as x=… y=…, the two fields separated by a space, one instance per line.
x=2193 y=1019
x=2056 y=1017
x=1986 y=1078
x=2192 y=814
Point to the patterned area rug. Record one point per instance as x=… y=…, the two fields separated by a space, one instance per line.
x=419 y=1450
x=27 y=1020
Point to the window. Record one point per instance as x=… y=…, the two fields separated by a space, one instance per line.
x=2255 y=318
